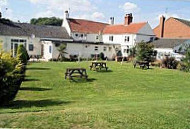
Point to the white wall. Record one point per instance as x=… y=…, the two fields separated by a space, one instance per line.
x=36 y=43
x=161 y=52
x=118 y=39
x=81 y=49
x=86 y=50
x=86 y=37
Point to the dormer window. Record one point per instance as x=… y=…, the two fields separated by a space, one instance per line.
x=110 y=38
x=127 y=38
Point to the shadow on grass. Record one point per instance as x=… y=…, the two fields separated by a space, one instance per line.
x=144 y=68
x=104 y=71
x=82 y=80
x=35 y=103
x=34 y=89
x=37 y=68
x=30 y=80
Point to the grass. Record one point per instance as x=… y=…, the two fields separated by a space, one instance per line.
x=123 y=98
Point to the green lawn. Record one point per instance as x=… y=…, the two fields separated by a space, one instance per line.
x=124 y=98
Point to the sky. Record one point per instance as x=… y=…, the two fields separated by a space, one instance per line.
x=98 y=10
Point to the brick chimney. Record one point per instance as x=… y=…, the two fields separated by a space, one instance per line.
x=128 y=19
x=162 y=24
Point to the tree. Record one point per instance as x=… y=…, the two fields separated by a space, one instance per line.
x=22 y=54
x=145 y=52
x=133 y=52
x=62 y=51
x=185 y=65
x=53 y=21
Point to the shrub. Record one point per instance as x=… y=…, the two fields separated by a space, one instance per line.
x=22 y=54
x=170 y=63
x=11 y=77
x=102 y=57
x=145 y=52
x=185 y=65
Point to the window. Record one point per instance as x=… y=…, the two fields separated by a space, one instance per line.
x=50 y=49
x=97 y=37
x=31 y=47
x=76 y=35
x=81 y=35
x=125 y=50
x=110 y=48
x=96 y=48
x=105 y=48
x=110 y=38
x=127 y=38
x=151 y=39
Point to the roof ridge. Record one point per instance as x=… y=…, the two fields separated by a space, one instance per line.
x=87 y=20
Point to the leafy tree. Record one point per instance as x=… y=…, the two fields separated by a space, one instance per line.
x=133 y=52
x=145 y=52
x=185 y=65
x=62 y=51
x=53 y=21
x=22 y=54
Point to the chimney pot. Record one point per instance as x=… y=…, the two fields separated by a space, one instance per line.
x=66 y=14
x=111 y=21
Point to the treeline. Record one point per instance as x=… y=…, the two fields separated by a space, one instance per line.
x=53 y=21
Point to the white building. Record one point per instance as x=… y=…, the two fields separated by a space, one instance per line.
x=31 y=36
x=83 y=38
x=128 y=34
x=170 y=47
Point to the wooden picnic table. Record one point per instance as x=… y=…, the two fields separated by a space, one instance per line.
x=99 y=66
x=76 y=72
x=142 y=64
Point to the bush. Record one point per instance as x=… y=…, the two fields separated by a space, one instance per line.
x=185 y=65
x=170 y=63
x=145 y=52
x=102 y=57
x=22 y=54
x=11 y=77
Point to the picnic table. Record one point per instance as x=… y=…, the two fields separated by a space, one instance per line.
x=76 y=72
x=142 y=64
x=98 y=66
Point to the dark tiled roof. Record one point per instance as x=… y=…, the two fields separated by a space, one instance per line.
x=86 y=26
x=9 y=28
x=168 y=43
x=186 y=22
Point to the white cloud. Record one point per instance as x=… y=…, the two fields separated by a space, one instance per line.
x=98 y=15
x=83 y=9
x=74 y=5
x=47 y=13
x=168 y=15
x=3 y=3
x=129 y=7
